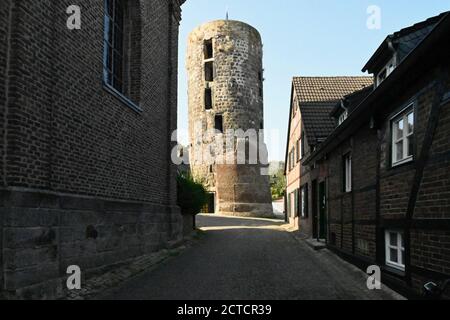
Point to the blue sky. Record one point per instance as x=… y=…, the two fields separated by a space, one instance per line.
x=302 y=38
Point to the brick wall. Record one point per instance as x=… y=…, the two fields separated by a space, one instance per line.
x=72 y=135
x=5 y=10
x=429 y=245
x=88 y=180
x=382 y=193
x=4 y=34
x=352 y=215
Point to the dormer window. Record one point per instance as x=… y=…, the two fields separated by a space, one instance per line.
x=342 y=117
x=386 y=71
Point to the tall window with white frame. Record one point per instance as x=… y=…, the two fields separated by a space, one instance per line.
x=304 y=201
x=403 y=137
x=293 y=204
x=302 y=145
x=395 y=250
x=348 y=173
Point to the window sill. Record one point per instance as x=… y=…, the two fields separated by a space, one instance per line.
x=122 y=98
x=393 y=270
x=402 y=163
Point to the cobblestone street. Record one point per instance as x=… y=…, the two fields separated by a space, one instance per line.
x=241 y=259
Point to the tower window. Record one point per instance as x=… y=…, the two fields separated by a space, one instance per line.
x=208 y=49
x=208 y=99
x=218 y=123
x=209 y=71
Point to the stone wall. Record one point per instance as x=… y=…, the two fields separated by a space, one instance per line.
x=46 y=233
x=237 y=96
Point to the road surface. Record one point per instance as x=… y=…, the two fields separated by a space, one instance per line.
x=249 y=259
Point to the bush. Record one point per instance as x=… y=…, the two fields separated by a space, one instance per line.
x=278 y=185
x=192 y=196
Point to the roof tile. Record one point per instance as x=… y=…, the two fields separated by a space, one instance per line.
x=323 y=89
x=318 y=96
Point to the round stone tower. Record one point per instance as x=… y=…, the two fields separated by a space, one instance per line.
x=224 y=63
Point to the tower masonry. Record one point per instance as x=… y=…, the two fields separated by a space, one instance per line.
x=226 y=117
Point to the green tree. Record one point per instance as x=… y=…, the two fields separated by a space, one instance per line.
x=278 y=185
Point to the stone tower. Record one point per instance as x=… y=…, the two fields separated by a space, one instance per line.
x=224 y=63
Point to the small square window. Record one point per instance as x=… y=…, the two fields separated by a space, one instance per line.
x=395 y=250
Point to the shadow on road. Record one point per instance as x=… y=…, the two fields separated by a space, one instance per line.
x=248 y=259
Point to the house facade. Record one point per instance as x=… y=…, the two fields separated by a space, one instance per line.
x=312 y=100
x=387 y=161
x=87 y=115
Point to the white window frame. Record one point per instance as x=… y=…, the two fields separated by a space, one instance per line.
x=348 y=172
x=389 y=68
x=343 y=117
x=300 y=150
x=293 y=205
x=402 y=116
x=292 y=159
x=303 y=202
x=398 y=247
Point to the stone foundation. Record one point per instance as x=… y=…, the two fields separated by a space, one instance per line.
x=243 y=191
x=246 y=210
x=44 y=233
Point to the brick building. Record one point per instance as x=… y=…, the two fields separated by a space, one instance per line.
x=312 y=100
x=387 y=163
x=86 y=116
